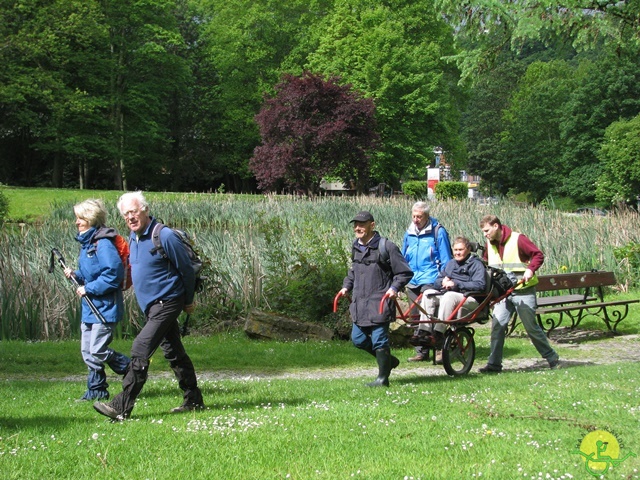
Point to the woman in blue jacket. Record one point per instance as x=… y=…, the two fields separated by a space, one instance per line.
x=100 y=274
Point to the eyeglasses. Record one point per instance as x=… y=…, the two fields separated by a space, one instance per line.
x=131 y=213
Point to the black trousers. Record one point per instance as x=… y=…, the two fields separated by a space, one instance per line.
x=160 y=330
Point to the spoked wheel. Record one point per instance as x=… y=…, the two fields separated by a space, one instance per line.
x=458 y=351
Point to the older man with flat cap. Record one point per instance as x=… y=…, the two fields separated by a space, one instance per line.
x=377 y=268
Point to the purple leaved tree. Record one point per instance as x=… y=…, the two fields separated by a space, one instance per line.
x=313 y=127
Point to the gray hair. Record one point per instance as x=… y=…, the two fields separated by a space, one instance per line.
x=92 y=211
x=137 y=196
x=422 y=207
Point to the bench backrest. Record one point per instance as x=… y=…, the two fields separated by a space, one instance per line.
x=567 y=281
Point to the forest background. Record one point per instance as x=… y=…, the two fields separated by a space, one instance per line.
x=541 y=99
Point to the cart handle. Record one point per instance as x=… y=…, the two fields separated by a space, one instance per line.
x=335 y=301
x=385 y=297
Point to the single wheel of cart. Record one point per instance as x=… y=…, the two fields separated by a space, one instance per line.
x=458 y=350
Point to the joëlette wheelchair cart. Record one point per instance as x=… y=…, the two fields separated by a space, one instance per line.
x=459 y=347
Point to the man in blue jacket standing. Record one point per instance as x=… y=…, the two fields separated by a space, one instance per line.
x=427 y=249
x=164 y=288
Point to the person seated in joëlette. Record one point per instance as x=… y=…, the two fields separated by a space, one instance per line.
x=462 y=274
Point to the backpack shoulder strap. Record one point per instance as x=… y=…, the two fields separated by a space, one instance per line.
x=155 y=238
x=436 y=230
x=384 y=253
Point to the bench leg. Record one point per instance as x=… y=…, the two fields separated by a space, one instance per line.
x=612 y=319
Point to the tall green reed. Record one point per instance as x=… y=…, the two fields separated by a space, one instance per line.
x=263 y=245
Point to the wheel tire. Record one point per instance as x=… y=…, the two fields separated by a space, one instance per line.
x=458 y=351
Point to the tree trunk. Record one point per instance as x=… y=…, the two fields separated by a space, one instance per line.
x=58 y=163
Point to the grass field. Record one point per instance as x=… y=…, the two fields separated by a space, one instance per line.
x=298 y=410
x=301 y=411
x=32 y=205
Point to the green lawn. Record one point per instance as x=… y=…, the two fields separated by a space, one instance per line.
x=301 y=410
x=33 y=204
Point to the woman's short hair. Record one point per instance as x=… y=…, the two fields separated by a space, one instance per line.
x=137 y=196
x=92 y=211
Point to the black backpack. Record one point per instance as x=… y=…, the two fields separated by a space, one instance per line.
x=196 y=261
x=500 y=281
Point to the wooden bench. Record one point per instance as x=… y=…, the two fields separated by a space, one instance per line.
x=581 y=294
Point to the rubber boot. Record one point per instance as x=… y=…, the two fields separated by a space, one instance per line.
x=395 y=361
x=385 y=362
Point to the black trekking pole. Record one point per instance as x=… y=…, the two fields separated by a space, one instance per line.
x=55 y=252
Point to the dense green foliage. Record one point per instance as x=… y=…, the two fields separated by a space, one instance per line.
x=629 y=257
x=393 y=52
x=620 y=179
x=416 y=189
x=451 y=191
x=163 y=94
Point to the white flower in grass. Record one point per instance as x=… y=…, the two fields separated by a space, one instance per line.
x=434 y=418
x=95 y=436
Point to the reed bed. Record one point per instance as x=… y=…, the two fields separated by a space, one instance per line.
x=260 y=245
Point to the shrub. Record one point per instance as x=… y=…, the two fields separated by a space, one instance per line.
x=416 y=189
x=4 y=207
x=305 y=265
x=564 y=204
x=452 y=190
x=629 y=254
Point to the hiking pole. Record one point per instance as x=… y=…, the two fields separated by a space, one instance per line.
x=55 y=252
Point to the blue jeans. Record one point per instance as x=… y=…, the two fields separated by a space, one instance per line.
x=370 y=338
x=525 y=305
x=94 y=345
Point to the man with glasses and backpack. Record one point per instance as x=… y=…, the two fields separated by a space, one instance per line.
x=164 y=287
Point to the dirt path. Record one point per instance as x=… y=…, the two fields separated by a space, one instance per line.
x=591 y=348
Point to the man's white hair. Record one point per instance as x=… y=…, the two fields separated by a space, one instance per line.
x=137 y=196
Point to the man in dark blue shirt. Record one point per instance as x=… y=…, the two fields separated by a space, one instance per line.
x=164 y=288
